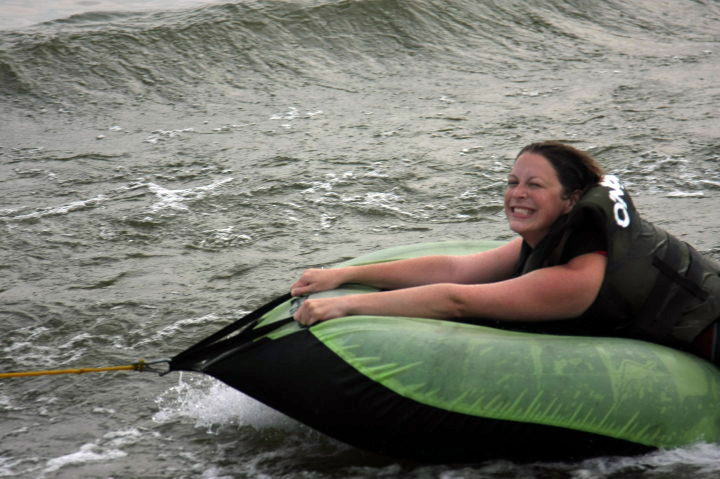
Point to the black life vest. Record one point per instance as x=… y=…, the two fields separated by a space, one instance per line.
x=656 y=287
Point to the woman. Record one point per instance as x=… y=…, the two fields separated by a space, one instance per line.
x=584 y=263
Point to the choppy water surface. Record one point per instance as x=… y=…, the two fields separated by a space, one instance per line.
x=165 y=171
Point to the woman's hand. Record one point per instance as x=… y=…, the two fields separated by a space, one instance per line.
x=321 y=309
x=315 y=280
x=314 y=310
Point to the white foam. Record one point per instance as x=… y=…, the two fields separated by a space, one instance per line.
x=175 y=199
x=327 y=221
x=209 y=404
x=181 y=325
x=714 y=184
x=55 y=210
x=27 y=347
x=331 y=181
x=104 y=411
x=106 y=448
x=703 y=459
x=163 y=135
x=293 y=113
x=7 y=465
x=230 y=127
x=214 y=473
x=379 y=201
x=7 y=405
x=167 y=199
x=87 y=453
x=224 y=237
x=685 y=194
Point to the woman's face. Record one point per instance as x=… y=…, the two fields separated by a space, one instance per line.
x=534 y=197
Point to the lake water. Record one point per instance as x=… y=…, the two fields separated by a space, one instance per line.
x=168 y=166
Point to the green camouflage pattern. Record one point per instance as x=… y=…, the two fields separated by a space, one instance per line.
x=621 y=388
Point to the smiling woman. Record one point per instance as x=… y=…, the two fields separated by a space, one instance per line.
x=578 y=267
x=485 y=285
x=535 y=198
x=545 y=182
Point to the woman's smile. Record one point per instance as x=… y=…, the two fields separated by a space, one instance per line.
x=521 y=212
x=534 y=198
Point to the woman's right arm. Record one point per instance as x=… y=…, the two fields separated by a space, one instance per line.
x=488 y=266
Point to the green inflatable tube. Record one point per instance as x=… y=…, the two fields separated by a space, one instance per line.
x=613 y=391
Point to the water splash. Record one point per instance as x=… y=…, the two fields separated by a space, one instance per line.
x=211 y=404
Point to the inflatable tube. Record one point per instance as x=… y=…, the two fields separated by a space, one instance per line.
x=448 y=391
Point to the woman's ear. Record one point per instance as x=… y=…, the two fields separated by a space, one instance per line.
x=572 y=200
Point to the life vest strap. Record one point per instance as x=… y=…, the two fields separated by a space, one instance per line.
x=684 y=282
x=674 y=286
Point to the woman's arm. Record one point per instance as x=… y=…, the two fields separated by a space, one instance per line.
x=557 y=292
x=488 y=266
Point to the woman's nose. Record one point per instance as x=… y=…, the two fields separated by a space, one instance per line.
x=519 y=191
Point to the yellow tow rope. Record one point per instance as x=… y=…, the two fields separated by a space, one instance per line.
x=141 y=365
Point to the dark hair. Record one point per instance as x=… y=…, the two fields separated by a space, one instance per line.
x=576 y=169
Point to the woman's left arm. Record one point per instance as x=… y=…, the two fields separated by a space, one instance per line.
x=556 y=292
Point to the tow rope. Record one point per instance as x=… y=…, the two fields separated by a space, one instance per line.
x=141 y=365
x=218 y=343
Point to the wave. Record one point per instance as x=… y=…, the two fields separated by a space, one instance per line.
x=224 y=48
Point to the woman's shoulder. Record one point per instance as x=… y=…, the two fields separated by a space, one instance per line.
x=585 y=237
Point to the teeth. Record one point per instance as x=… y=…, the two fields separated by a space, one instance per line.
x=522 y=211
